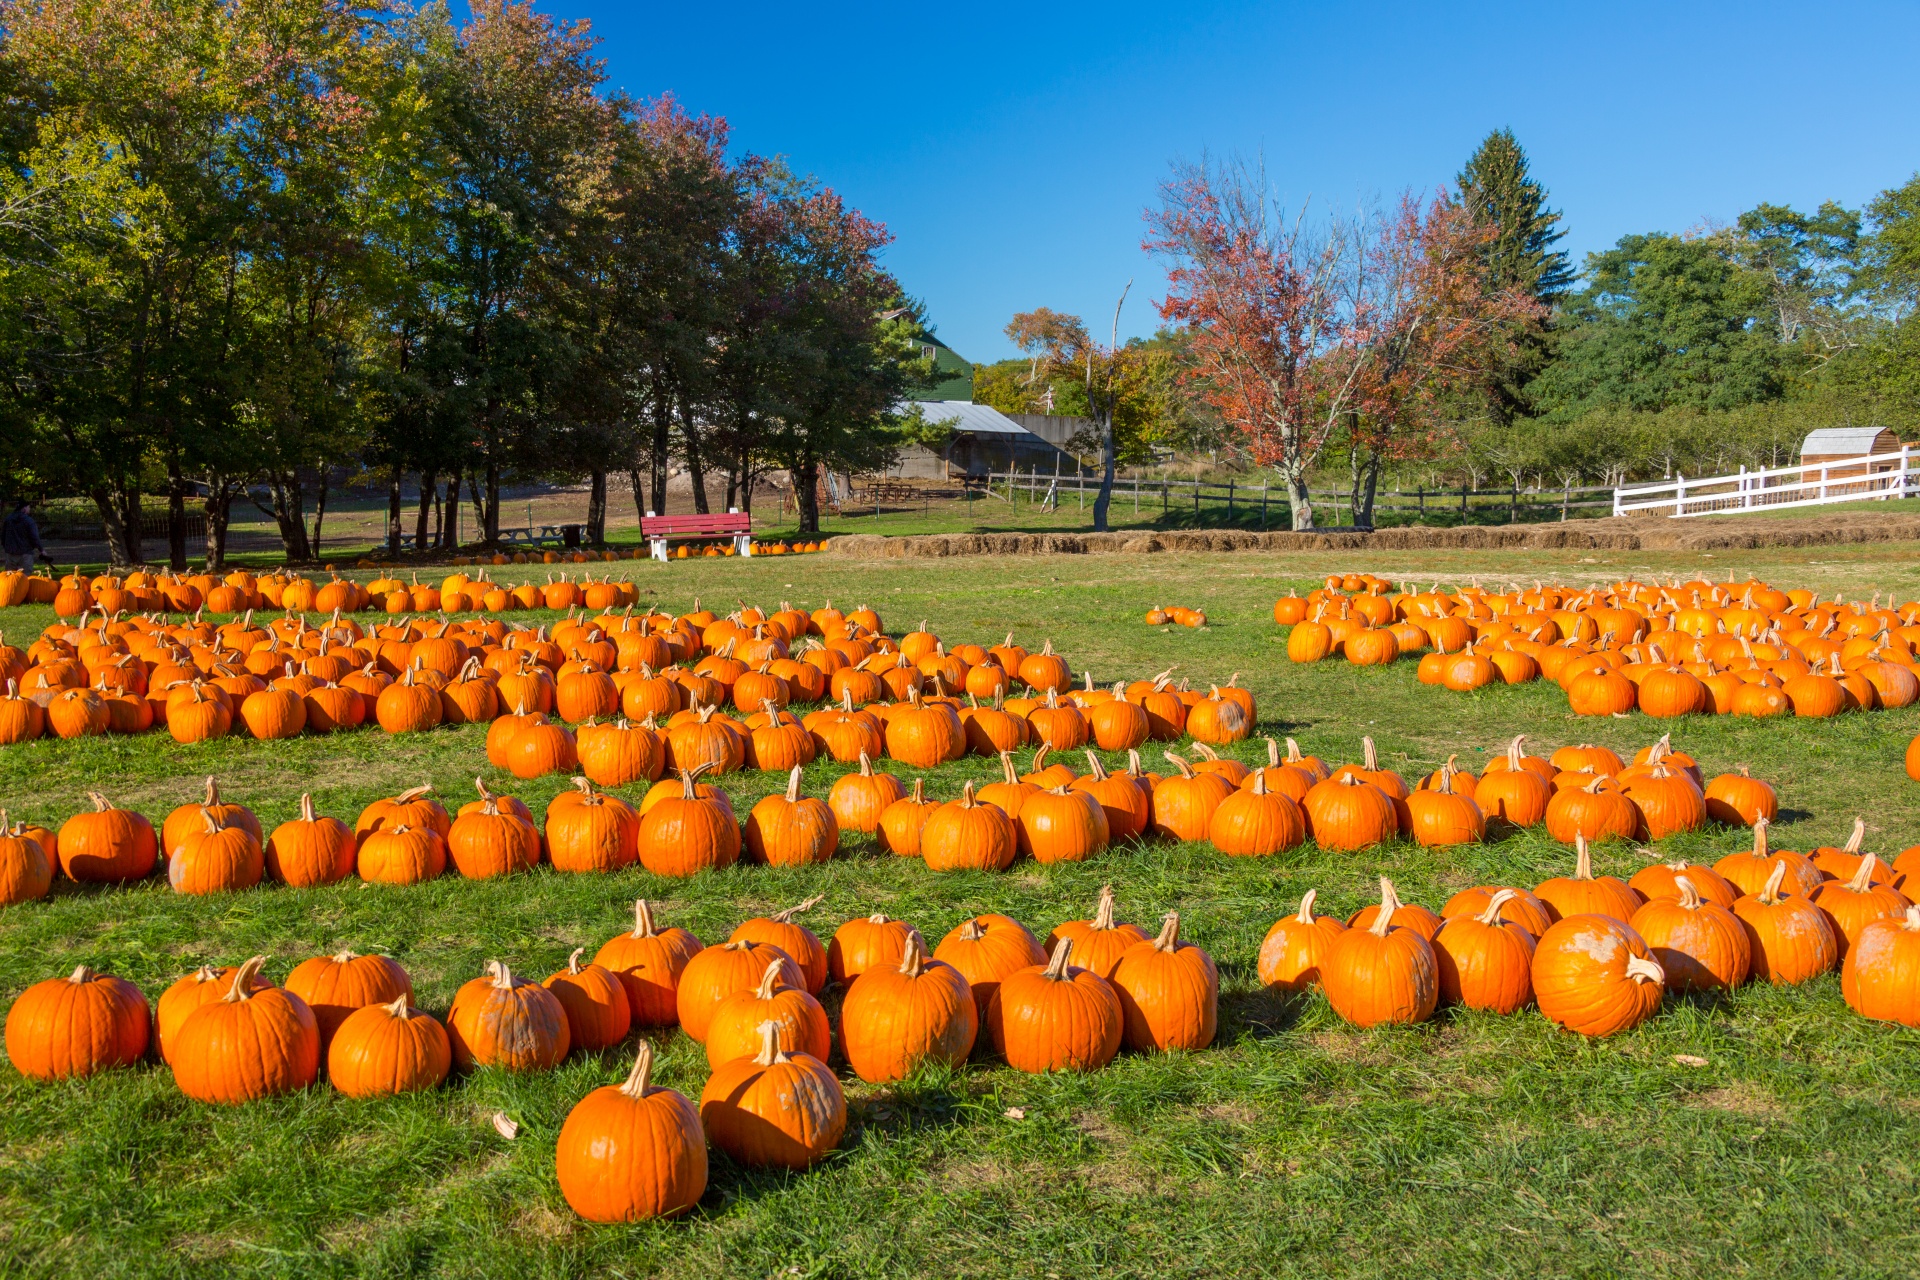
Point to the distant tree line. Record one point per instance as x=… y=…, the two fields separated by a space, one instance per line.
x=251 y=247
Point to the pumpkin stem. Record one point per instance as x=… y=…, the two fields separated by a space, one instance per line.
x=1863 y=878
x=398 y=1008
x=793 y=786
x=1039 y=757
x=1259 y=787
x=1690 y=899
x=918 y=788
x=1501 y=897
x=1293 y=753
x=1205 y=752
x=1858 y=837
x=768 y=980
x=1056 y=970
x=786 y=916
x=80 y=974
x=642 y=919
x=971 y=931
x=1642 y=969
x=770 y=1052
x=1103 y=909
x=1273 y=754
x=912 y=958
x=1513 y=752
x=1305 y=914
x=573 y=961
x=1582 y=858
x=1370 y=758
x=243 y=978
x=1770 y=893
x=1096 y=770
x=502 y=975
x=966 y=794
x=1006 y=768
x=866 y=765
x=1186 y=770
x=636 y=1085
x=1760 y=838
x=1389 y=903
x=1169 y=939
x=213 y=793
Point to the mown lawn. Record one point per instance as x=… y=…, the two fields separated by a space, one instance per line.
x=1296 y=1145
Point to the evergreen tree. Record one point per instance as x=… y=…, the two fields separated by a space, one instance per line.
x=1497 y=188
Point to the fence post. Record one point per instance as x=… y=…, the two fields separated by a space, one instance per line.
x=1196 y=504
x=1229 y=502
x=1165 y=499
x=1679 y=493
x=1746 y=493
x=1823 y=482
x=1263 y=508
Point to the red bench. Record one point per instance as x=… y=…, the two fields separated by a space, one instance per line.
x=735 y=524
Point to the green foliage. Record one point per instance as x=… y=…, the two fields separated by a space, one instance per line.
x=1500 y=191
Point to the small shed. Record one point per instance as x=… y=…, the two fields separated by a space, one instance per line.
x=983 y=439
x=1830 y=445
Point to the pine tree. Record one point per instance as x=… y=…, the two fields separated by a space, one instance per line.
x=1496 y=186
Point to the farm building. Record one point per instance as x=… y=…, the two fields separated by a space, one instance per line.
x=984 y=439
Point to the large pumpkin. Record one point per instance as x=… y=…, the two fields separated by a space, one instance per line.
x=498 y=1020
x=1701 y=945
x=775 y=1108
x=386 y=1049
x=1169 y=992
x=632 y=1151
x=1881 y=976
x=1792 y=940
x=985 y=949
x=649 y=961
x=1056 y=1017
x=715 y=973
x=68 y=1028
x=1384 y=973
x=1593 y=974
x=1483 y=961
x=687 y=833
x=251 y=1043
x=338 y=985
x=1098 y=943
x=310 y=850
x=791 y=830
x=966 y=835
x=895 y=1018
x=108 y=845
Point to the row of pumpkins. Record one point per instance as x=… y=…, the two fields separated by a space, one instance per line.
x=1693 y=648
x=408 y=674
x=1594 y=954
x=685 y=551
x=684 y=825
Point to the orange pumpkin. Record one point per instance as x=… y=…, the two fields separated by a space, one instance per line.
x=778 y=1109
x=1484 y=961
x=1056 y=1017
x=1169 y=992
x=632 y=1151
x=649 y=961
x=69 y=1028
x=1594 y=975
x=498 y=1020
x=253 y=1042
x=1384 y=973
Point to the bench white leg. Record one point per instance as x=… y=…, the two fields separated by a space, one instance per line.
x=660 y=549
x=743 y=543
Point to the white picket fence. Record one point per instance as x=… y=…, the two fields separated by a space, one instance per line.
x=1870 y=479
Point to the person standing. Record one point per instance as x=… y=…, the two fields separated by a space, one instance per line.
x=20 y=538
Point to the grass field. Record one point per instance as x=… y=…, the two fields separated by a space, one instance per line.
x=1295 y=1146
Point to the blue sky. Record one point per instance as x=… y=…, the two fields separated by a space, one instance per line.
x=1011 y=148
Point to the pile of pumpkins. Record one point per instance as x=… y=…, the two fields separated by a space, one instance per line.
x=1687 y=648
x=1180 y=615
x=634 y=1150
x=1596 y=953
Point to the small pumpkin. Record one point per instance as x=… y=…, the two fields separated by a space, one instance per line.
x=738 y=1023
x=649 y=961
x=715 y=973
x=1484 y=961
x=1878 y=980
x=217 y=859
x=1749 y=872
x=868 y=942
x=1098 y=942
x=1444 y=816
x=1583 y=893
x=1296 y=946
x=1255 y=822
x=499 y=1020
x=798 y=941
x=386 y=1049
x=791 y=830
x=1056 y=1017
x=985 y=949
x=26 y=872
x=109 y=845
x=685 y=834
x=310 y=850
x=401 y=855
x=1740 y=799
x=336 y=986
x=858 y=799
x=965 y=835
x=595 y=1000
x=1852 y=905
x=1183 y=803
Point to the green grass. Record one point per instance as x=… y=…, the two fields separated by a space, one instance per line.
x=1295 y=1146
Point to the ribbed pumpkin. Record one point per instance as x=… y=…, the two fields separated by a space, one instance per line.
x=1010 y=794
x=595 y=1001
x=632 y=1151
x=614 y=755
x=965 y=835
x=1118 y=725
x=1056 y=1017
x=106 y=846
x=1852 y=905
x=1384 y=973
x=492 y=842
x=685 y=834
x=1255 y=822
x=253 y=1042
x=1443 y=817
x=1660 y=882
x=985 y=949
x=649 y=961
x=1169 y=992
x=190 y=820
x=1484 y=961
x=1183 y=803
x=1100 y=942
x=1593 y=975
x=798 y=941
x=1062 y=825
x=1792 y=940
x=924 y=735
x=1594 y=811
x=1126 y=806
x=498 y=1020
x=858 y=799
x=1296 y=947
x=542 y=748
x=589 y=831
x=69 y=1028
x=1346 y=813
x=310 y=850
x=401 y=855
x=1841 y=863
x=1584 y=894
x=897 y=1017
x=1701 y=945
x=1516 y=794
x=1520 y=907
x=216 y=859
x=1669 y=802
x=791 y=830
x=774 y=1109
x=202 y=986
x=1750 y=872
x=1411 y=915
x=416 y=807
x=336 y=986
x=737 y=1026
x=1881 y=975
x=868 y=942
x=1740 y=799
x=407 y=706
x=387 y=1049
x=718 y=972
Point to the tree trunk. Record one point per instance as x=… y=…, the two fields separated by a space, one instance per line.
x=696 y=465
x=1299 y=497
x=597 y=508
x=320 y=511
x=636 y=479
x=479 y=503
x=393 y=513
x=1363 y=515
x=429 y=485
x=662 y=441
x=490 y=513
x=219 y=511
x=176 y=517
x=806 y=485
x=123 y=544
x=1101 y=503
x=447 y=499
x=289 y=513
